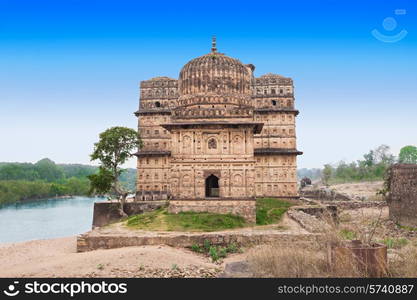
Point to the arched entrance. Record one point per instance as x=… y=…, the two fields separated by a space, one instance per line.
x=212 y=186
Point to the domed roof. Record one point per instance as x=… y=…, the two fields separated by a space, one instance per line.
x=215 y=73
x=214 y=85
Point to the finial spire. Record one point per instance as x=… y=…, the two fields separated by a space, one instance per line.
x=213 y=44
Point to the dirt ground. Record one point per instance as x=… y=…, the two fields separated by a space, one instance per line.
x=360 y=190
x=374 y=220
x=58 y=258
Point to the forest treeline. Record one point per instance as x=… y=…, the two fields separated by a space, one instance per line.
x=43 y=179
x=373 y=166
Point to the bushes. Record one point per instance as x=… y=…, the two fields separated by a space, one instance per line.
x=17 y=190
x=395 y=243
x=214 y=251
x=372 y=167
x=24 y=181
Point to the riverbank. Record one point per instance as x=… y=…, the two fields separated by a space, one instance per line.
x=58 y=258
x=42 y=199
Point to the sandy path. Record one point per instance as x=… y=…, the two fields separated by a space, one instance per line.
x=58 y=258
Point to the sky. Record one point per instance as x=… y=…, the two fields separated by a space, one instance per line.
x=70 y=69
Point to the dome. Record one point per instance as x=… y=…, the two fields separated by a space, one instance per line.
x=214 y=80
x=215 y=73
x=214 y=86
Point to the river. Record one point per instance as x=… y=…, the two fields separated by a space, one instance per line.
x=46 y=219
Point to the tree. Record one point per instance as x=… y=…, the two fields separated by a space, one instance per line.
x=369 y=159
x=101 y=183
x=327 y=173
x=408 y=155
x=113 y=150
x=383 y=155
x=48 y=170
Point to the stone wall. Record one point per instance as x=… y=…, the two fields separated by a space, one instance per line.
x=153 y=174
x=276 y=175
x=244 y=208
x=107 y=212
x=91 y=241
x=273 y=91
x=323 y=193
x=322 y=211
x=402 y=199
x=355 y=204
x=278 y=130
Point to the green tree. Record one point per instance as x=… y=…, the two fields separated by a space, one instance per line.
x=327 y=173
x=408 y=155
x=48 y=170
x=369 y=159
x=101 y=183
x=112 y=150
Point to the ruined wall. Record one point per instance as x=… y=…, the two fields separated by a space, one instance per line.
x=402 y=199
x=106 y=212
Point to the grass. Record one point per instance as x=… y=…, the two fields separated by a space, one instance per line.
x=268 y=211
x=271 y=210
x=393 y=243
x=409 y=228
x=185 y=221
x=348 y=234
x=215 y=252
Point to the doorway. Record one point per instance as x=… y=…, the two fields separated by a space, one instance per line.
x=212 y=186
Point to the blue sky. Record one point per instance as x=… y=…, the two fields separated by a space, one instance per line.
x=70 y=69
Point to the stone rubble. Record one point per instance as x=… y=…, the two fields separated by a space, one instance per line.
x=309 y=222
x=173 y=272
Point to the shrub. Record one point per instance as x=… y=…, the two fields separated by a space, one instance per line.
x=196 y=248
x=393 y=243
x=348 y=234
x=215 y=252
